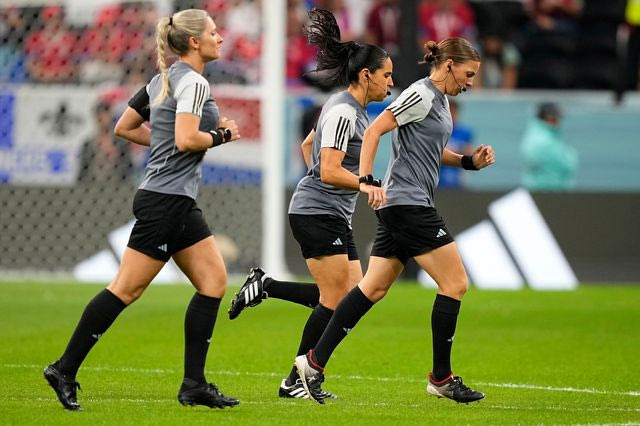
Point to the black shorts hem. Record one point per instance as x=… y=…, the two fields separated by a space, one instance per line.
x=151 y=253
x=192 y=241
x=309 y=254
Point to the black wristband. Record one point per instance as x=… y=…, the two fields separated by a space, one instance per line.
x=467 y=163
x=226 y=132
x=370 y=180
x=217 y=138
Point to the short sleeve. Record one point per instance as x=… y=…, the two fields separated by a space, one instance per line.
x=338 y=126
x=412 y=105
x=191 y=93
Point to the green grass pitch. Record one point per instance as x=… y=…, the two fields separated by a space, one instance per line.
x=541 y=358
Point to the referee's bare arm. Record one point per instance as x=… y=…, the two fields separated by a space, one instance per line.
x=131 y=126
x=333 y=173
x=190 y=139
x=307 y=146
x=383 y=124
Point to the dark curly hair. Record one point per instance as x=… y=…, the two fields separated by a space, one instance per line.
x=343 y=60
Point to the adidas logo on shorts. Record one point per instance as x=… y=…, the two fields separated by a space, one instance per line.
x=441 y=233
x=337 y=242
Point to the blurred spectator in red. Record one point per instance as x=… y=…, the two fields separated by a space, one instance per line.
x=500 y=62
x=138 y=21
x=51 y=50
x=103 y=47
x=300 y=55
x=558 y=16
x=440 y=19
x=382 y=25
x=244 y=41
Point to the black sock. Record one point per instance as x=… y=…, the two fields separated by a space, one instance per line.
x=198 y=329
x=99 y=314
x=444 y=317
x=349 y=311
x=313 y=329
x=306 y=294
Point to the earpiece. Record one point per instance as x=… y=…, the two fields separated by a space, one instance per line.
x=462 y=88
x=366 y=75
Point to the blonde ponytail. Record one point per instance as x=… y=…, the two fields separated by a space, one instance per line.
x=173 y=33
x=162 y=33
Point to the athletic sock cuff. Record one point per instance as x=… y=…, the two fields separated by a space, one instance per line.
x=204 y=304
x=437 y=382
x=323 y=312
x=446 y=304
x=110 y=304
x=359 y=301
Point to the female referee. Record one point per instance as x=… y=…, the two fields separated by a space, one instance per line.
x=408 y=224
x=322 y=205
x=184 y=124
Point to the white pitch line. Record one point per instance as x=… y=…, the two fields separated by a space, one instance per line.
x=350 y=377
x=283 y=403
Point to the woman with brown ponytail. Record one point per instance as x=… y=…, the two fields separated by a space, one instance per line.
x=185 y=123
x=408 y=224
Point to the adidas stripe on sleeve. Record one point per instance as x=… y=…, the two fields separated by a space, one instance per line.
x=412 y=105
x=191 y=93
x=338 y=126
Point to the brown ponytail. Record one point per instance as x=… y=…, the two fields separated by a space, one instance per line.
x=457 y=49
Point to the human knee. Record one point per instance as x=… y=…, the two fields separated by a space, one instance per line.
x=128 y=295
x=456 y=289
x=373 y=291
x=214 y=287
x=376 y=294
x=331 y=297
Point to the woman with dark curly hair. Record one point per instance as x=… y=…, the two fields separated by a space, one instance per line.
x=322 y=205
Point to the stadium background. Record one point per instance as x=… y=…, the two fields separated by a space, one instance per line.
x=68 y=67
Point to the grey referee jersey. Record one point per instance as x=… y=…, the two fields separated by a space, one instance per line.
x=170 y=171
x=341 y=125
x=424 y=127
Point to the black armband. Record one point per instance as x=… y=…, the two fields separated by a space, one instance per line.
x=370 y=180
x=140 y=103
x=467 y=163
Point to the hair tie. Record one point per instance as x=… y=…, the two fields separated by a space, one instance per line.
x=170 y=20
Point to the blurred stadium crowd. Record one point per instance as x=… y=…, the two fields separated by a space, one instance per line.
x=589 y=44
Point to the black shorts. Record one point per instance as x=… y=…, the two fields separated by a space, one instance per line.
x=323 y=235
x=408 y=231
x=165 y=224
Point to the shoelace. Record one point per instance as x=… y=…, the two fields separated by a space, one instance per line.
x=457 y=380
x=316 y=381
x=213 y=389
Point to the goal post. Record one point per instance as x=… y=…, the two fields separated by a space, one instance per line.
x=272 y=116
